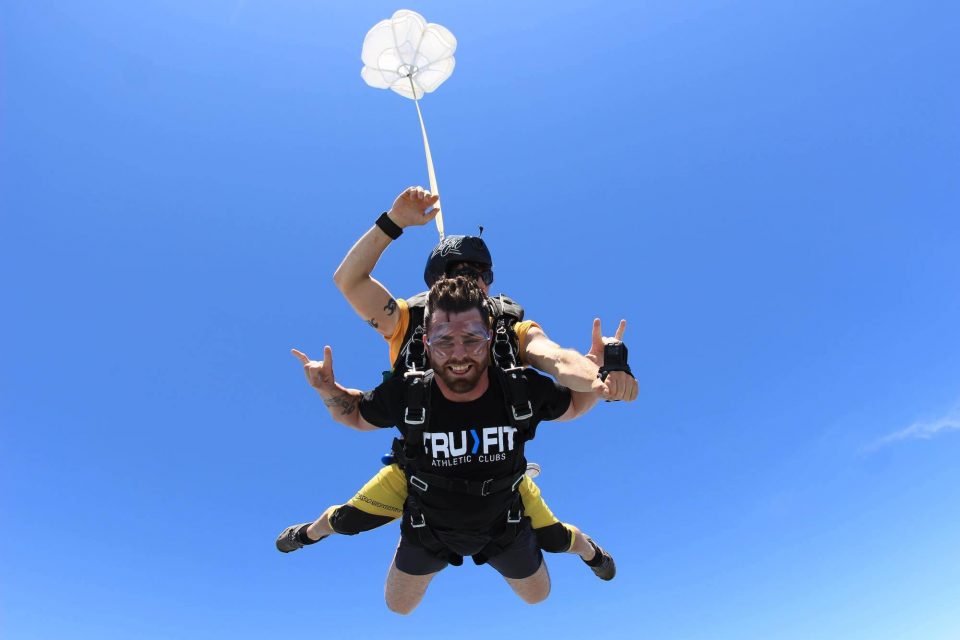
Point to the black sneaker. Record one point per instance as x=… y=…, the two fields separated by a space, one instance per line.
x=602 y=563
x=295 y=537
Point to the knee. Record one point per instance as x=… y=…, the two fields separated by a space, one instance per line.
x=401 y=601
x=554 y=539
x=399 y=606
x=533 y=589
x=536 y=596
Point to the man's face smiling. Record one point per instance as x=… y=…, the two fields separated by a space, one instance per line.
x=458 y=348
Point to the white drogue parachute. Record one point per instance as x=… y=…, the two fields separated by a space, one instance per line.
x=411 y=57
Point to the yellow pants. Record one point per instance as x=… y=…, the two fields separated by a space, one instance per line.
x=385 y=493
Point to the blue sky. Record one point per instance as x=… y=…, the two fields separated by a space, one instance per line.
x=767 y=191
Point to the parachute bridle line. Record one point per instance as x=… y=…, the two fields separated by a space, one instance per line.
x=426 y=148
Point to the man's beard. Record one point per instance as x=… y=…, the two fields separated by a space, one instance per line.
x=462 y=383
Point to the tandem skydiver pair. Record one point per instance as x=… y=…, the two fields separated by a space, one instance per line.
x=440 y=385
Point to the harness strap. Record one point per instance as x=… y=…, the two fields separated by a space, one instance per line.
x=512 y=378
x=416 y=415
x=511 y=529
x=423 y=481
x=415 y=354
x=415 y=519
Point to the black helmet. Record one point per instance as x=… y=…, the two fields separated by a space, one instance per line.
x=456 y=249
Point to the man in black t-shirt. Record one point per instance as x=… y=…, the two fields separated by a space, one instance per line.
x=466 y=458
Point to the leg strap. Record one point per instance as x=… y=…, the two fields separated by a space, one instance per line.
x=505 y=537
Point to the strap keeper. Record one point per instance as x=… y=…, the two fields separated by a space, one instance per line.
x=485 y=487
x=388 y=226
x=527 y=412
x=423 y=521
x=418 y=483
x=407 y=419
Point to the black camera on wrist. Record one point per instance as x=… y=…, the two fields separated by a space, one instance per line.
x=614 y=359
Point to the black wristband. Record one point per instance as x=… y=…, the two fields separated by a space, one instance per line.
x=388 y=226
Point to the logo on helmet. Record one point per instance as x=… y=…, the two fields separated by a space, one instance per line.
x=448 y=246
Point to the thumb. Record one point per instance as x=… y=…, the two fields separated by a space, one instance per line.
x=301 y=356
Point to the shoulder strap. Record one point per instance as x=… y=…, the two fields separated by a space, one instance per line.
x=412 y=354
x=513 y=381
x=416 y=416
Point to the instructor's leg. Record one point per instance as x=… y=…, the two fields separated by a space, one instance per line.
x=553 y=536
x=378 y=502
x=580 y=544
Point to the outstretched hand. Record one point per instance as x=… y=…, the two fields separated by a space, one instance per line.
x=619 y=385
x=319 y=372
x=597 y=341
x=410 y=207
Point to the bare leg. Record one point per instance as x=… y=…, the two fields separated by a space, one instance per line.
x=599 y=561
x=404 y=591
x=532 y=589
x=581 y=544
x=321 y=526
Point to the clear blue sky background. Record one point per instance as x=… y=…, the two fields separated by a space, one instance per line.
x=768 y=191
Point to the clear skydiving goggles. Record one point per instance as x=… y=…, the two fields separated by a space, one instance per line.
x=473 y=336
x=470 y=269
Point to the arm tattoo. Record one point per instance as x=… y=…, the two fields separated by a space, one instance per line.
x=373 y=323
x=391 y=306
x=346 y=403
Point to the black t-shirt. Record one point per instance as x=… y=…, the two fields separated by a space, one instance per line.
x=468 y=440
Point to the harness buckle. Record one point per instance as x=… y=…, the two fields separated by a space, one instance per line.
x=528 y=412
x=414 y=351
x=485 y=487
x=419 y=484
x=514 y=520
x=423 y=520
x=502 y=348
x=423 y=417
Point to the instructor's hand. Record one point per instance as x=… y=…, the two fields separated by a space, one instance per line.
x=410 y=207
x=319 y=373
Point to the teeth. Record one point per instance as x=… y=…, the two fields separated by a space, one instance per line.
x=459 y=368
